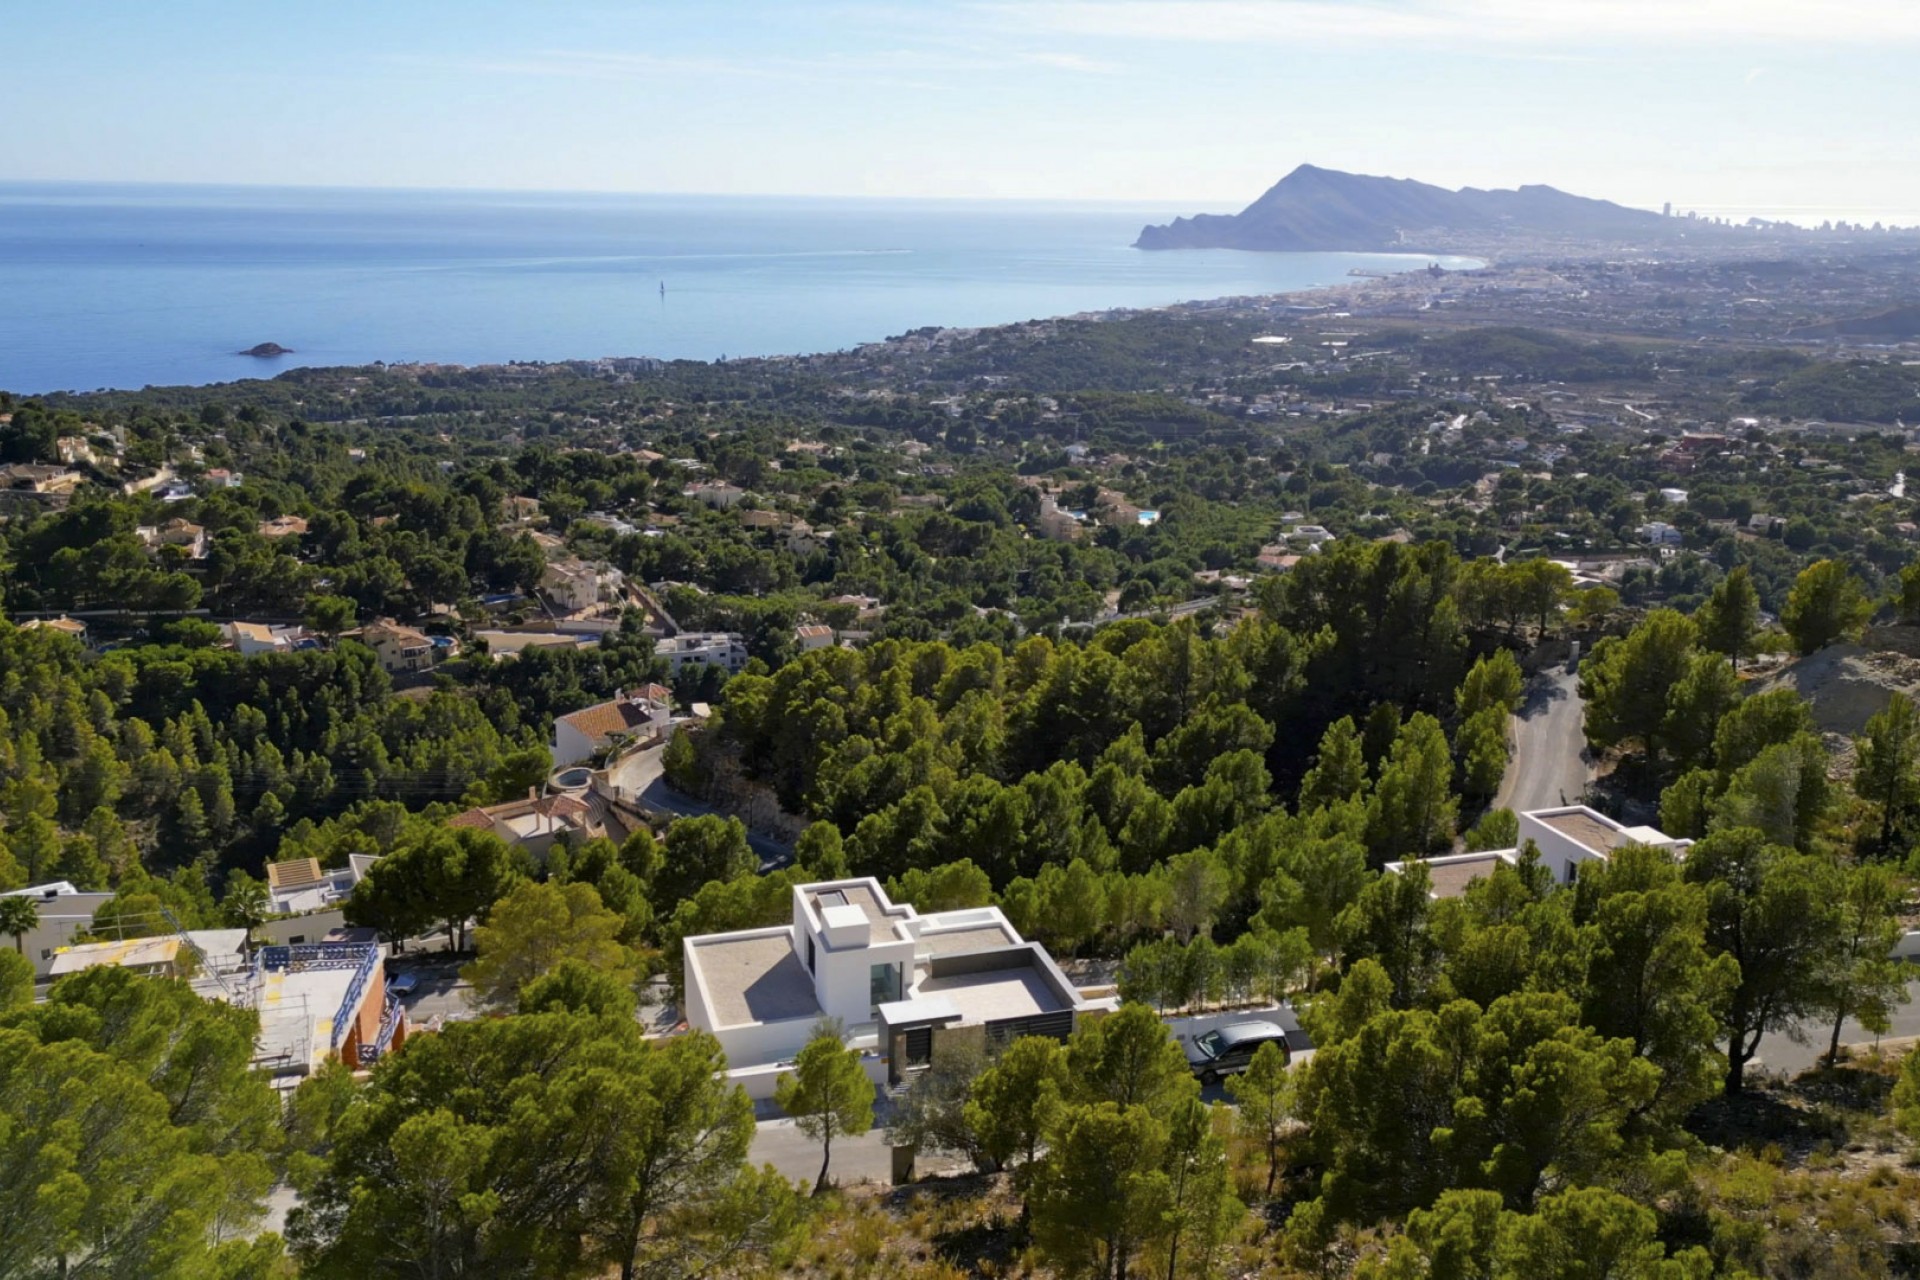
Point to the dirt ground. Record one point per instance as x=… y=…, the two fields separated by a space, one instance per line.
x=1847 y=685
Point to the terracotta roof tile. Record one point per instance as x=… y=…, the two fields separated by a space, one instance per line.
x=607 y=719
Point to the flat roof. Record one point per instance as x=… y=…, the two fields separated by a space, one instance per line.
x=222 y=948
x=1450 y=879
x=948 y=942
x=130 y=952
x=297 y=1009
x=994 y=994
x=1593 y=832
x=756 y=978
x=901 y=1013
x=880 y=925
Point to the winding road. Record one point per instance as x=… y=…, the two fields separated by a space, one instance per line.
x=1549 y=766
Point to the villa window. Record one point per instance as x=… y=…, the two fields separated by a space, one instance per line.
x=884 y=983
x=810 y=968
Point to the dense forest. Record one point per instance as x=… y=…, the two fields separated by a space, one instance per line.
x=1523 y=1080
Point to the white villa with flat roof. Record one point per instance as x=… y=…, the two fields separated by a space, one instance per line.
x=1567 y=837
x=894 y=979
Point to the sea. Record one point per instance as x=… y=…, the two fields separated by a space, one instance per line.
x=111 y=286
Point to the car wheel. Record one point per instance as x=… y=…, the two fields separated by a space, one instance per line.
x=1209 y=1078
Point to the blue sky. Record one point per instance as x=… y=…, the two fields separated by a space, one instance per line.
x=1749 y=104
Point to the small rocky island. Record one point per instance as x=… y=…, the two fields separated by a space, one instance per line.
x=267 y=349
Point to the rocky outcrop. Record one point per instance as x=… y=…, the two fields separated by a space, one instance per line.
x=267 y=349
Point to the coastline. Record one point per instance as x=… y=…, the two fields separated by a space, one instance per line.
x=1358 y=283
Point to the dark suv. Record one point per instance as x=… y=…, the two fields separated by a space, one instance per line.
x=1226 y=1051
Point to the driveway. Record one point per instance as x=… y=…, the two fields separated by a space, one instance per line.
x=1779 y=1052
x=639 y=778
x=442 y=993
x=1549 y=766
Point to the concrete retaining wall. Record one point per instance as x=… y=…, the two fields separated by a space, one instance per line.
x=761 y=1079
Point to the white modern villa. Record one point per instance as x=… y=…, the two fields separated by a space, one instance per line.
x=894 y=979
x=1567 y=837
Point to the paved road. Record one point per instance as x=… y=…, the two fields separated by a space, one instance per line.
x=639 y=777
x=1780 y=1053
x=866 y=1158
x=1549 y=765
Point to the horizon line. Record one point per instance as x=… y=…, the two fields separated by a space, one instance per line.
x=1177 y=206
x=399 y=189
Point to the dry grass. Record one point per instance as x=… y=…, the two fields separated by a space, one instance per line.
x=964 y=1228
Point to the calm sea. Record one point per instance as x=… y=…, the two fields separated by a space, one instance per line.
x=111 y=286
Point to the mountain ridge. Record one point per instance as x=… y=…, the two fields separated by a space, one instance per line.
x=1316 y=209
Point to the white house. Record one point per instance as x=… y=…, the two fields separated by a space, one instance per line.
x=803 y=539
x=813 y=635
x=579 y=734
x=715 y=648
x=1659 y=533
x=1311 y=534
x=249 y=638
x=894 y=979
x=299 y=885
x=575 y=585
x=1568 y=838
x=715 y=493
x=64 y=911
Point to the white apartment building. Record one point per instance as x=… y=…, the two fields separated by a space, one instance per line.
x=715 y=648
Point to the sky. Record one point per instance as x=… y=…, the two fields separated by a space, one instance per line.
x=1734 y=105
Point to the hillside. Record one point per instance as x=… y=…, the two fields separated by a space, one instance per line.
x=1325 y=209
x=1893 y=322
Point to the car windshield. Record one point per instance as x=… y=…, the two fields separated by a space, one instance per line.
x=1208 y=1044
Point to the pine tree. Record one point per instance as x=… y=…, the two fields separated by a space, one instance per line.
x=1730 y=616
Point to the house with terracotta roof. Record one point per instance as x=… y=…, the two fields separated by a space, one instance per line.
x=400 y=648
x=282 y=527
x=813 y=635
x=761 y=518
x=296 y=886
x=803 y=539
x=533 y=823
x=64 y=625
x=574 y=584
x=177 y=532
x=578 y=735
